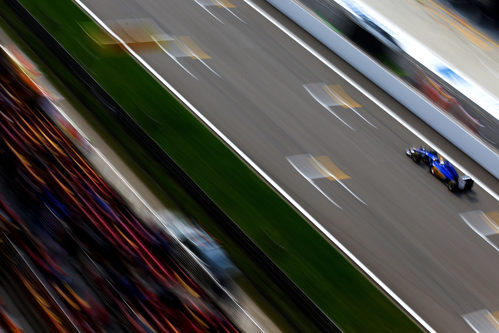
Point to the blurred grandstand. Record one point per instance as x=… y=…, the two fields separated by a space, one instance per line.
x=80 y=255
x=487 y=8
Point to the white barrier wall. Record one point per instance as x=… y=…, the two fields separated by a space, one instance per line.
x=398 y=89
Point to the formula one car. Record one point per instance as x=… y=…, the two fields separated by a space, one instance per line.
x=440 y=168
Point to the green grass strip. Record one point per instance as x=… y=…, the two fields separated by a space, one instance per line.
x=305 y=256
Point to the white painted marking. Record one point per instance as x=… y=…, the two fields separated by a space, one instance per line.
x=480 y=321
x=479 y=232
x=193 y=54
x=206 y=9
x=480 y=221
x=368 y=95
x=174 y=58
x=311 y=181
x=323 y=193
x=351 y=108
x=326 y=171
x=325 y=106
x=230 y=11
x=212 y=3
x=340 y=119
x=240 y=19
x=204 y=63
x=471 y=325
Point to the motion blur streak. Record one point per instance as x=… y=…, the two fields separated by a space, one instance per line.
x=74 y=225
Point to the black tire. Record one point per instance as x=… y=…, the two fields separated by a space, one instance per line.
x=430 y=169
x=468 y=185
x=416 y=158
x=452 y=186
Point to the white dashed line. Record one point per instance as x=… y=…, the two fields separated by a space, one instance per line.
x=311 y=181
x=351 y=108
x=230 y=11
x=173 y=58
x=327 y=107
x=209 y=12
x=326 y=171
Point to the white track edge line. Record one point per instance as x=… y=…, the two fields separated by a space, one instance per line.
x=368 y=95
x=262 y=173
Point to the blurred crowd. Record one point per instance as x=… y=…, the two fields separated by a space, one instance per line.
x=7 y=323
x=100 y=267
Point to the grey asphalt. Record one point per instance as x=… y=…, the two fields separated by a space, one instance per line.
x=410 y=233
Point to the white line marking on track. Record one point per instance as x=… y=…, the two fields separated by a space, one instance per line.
x=311 y=181
x=329 y=109
x=326 y=171
x=194 y=54
x=351 y=108
x=482 y=321
x=204 y=63
x=262 y=173
x=230 y=11
x=485 y=238
x=368 y=95
x=174 y=58
x=317 y=187
x=206 y=9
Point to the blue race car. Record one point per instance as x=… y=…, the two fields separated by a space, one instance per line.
x=440 y=168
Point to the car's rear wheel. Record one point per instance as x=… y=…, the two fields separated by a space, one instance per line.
x=468 y=185
x=452 y=186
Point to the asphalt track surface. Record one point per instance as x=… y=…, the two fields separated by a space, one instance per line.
x=399 y=221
